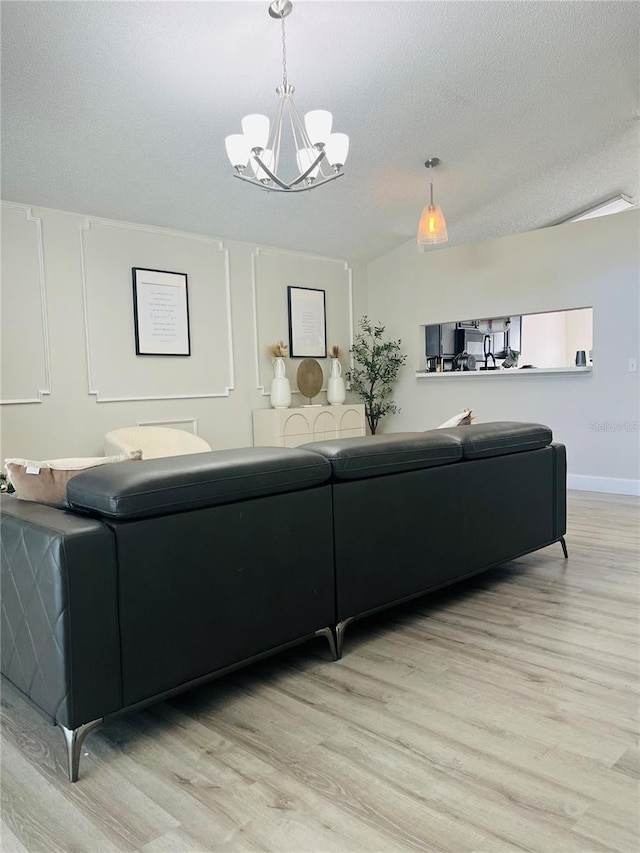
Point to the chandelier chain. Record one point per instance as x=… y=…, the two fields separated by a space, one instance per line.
x=284 y=54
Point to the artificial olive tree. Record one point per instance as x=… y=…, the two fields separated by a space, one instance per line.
x=376 y=365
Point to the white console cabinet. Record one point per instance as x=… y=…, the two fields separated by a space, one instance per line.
x=291 y=427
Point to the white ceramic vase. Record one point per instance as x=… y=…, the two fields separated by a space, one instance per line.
x=336 y=390
x=280 y=386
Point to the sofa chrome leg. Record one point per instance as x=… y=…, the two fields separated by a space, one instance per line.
x=328 y=633
x=564 y=547
x=341 y=627
x=74 y=738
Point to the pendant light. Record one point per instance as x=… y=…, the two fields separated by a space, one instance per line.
x=432 y=227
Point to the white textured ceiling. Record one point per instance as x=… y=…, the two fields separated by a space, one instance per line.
x=120 y=110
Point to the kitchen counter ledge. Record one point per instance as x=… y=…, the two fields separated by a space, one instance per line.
x=473 y=374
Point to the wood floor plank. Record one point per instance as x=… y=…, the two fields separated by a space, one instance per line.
x=496 y=716
x=119 y=812
x=9 y=843
x=604 y=823
x=40 y=816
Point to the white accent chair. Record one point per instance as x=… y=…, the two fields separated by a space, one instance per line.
x=153 y=441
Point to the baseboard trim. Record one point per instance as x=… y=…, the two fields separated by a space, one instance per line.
x=609 y=485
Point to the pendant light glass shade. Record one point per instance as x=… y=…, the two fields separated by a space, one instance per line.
x=318 y=126
x=337 y=148
x=238 y=150
x=432 y=227
x=255 y=128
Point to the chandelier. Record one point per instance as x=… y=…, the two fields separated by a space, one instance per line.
x=318 y=154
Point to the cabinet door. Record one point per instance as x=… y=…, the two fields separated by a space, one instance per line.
x=325 y=426
x=295 y=429
x=352 y=422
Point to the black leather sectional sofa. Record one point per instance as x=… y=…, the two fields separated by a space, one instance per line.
x=166 y=573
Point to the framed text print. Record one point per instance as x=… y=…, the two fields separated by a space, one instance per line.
x=307 y=322
x=161 y=312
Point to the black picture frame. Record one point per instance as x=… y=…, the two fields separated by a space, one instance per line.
x=307 y=322
x=161 y=312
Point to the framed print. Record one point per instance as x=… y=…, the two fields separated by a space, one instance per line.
x=161 y=312
x=307 y=322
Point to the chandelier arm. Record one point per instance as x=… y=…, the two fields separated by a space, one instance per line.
x=311 y=186
x=308 y=171
x=271 y=174
x=298 y=129
x=302 y=130
x=287 y=189
x=277 y=134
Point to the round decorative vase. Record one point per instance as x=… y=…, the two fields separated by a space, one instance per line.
x=336 y=391
x=280 y=387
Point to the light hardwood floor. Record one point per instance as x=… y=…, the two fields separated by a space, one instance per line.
x=500 y=715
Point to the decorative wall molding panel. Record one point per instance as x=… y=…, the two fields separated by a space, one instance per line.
x=272 y=270
x=187 y=424
x=25 y=375
x=109 y=250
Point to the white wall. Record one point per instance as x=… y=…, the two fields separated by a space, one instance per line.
x=69 y=369
x=544 y=340
x=596 y=263
x=553 y=339
x=68 y=345
x=579 y=333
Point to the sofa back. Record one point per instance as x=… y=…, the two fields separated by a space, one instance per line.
x=163 y=573
x=415 y=511
x=222 y=557
x=157 y=487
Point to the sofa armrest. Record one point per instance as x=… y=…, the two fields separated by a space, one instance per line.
x=60 y=643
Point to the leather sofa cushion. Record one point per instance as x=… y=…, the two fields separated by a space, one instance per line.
x=376 y=455
x=177 y=483
x=479 y=441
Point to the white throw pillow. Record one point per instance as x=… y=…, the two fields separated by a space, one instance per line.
x=463 y=418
